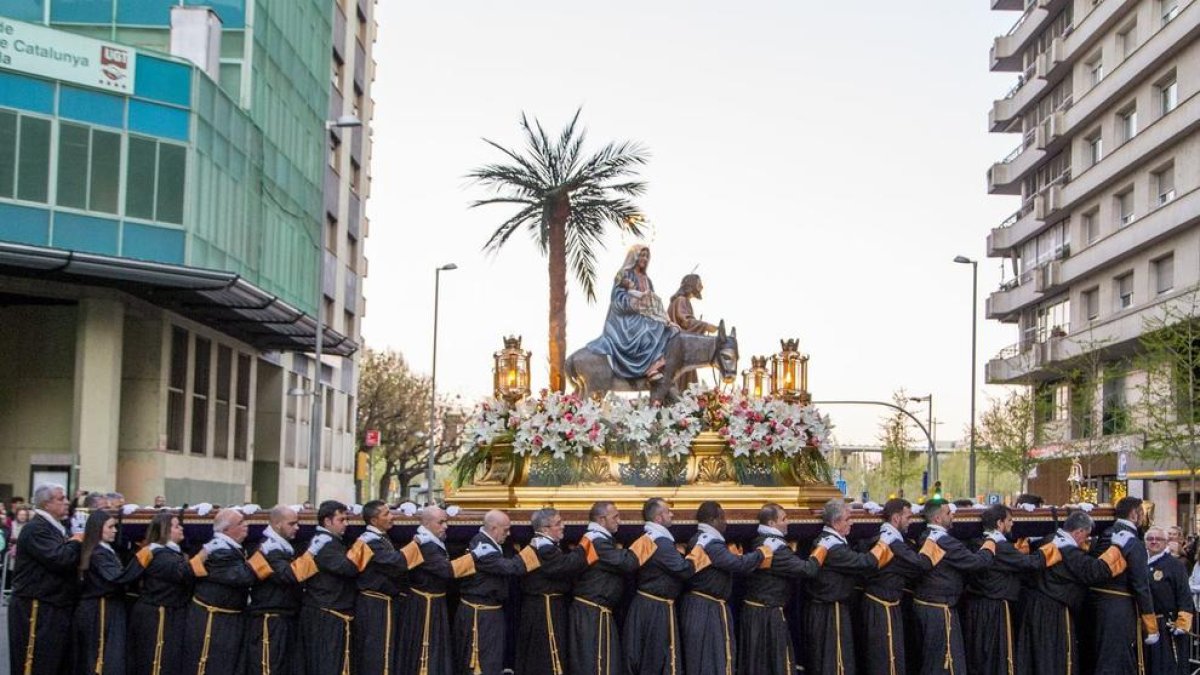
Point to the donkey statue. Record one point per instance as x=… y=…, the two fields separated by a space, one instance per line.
x=592 y=375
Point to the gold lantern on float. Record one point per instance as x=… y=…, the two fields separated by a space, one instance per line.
x=789 y=373
x=755 y=380
x=510 y=375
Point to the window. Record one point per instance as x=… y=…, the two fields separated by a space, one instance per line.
x=1164 y=273
x=154 y=178
x=1170 y=10
x=1095 y=68
x=1127 y=125
x=1062 y=401
x=291 y=427
x=1163 y=184
x=351 y=411
x=348 y=322
x=331 y=230
x=336 y=76
x=221 y=417
x=1168 y=93
x=1115 y=418
x=1053 y=319
x=202 y=359
x=361 y=29
x=355 y=175
x=24 y=157
x=1095 y=148
x=1091 y=304
x=89 y=168
x=302 y=427
x=1091 y=227
x=176 y=386
x=1124 y=287
x=1127 y=40
x=241 y=410
x=1124 y=205
x=335 y=154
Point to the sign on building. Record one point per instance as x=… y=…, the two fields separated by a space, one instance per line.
x=37 y=50
x=371 y=439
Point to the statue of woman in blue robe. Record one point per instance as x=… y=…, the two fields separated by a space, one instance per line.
x=636 y=330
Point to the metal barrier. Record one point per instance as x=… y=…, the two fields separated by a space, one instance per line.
x=5 y=592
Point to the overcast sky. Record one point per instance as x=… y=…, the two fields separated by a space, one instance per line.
x=822 y=163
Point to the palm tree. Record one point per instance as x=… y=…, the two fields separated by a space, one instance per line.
x=565 y=202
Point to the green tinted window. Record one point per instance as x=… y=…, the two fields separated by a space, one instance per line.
x=8 y=153
x=105 y=177
x=172 y=161
x=33 y=170
x=72 y=165
x=139 y=178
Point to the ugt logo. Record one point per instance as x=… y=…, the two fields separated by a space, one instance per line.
x=114 y=63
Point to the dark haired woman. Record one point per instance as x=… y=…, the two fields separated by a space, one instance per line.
x=160 y=612
x=99 y=640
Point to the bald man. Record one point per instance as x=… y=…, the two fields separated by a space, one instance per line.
x=215 y=621
x=479 y=622
x=425 y=647
x=273 y=636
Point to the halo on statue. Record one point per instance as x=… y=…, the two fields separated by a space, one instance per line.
x=649 y=233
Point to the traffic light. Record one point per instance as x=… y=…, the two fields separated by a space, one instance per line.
x=360 y=465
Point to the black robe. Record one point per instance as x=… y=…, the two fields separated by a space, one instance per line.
x=542 y=627
x=1172 y=599
x=883 y=641
x=1122 y=609
x=706 y=620
x=595 y=644
x=827 y=627
x=215 y=621
x=425 y=646
x=379 y=605
x=990 y=620
x=328 y=609
x=479 y=625
x=159 y=616
x=44 y=589
x=936 y=597
x=764 y=638
x=650 y=636
x=1048 y=640
x=273 y=621
x=100 y=618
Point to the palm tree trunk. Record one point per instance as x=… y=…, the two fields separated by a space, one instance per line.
x=558 y=292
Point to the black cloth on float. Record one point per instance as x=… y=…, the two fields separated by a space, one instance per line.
x=1119 y=606
x=705 y=618
x=1173 y=604
x=328 y=609
x=158 y=619
x=764 y=637
x=425 y=642
x=100 y=625
x=936 y=599
x=479 y=626
x=990 y=619
x=650 y=637
x=542 y=628
x=827 y=627
x=595 y=645
x=215 y=622
x=44 y=590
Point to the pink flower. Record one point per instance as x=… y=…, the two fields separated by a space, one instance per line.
x=571 y=435
x=568 y=417
x=537 y=441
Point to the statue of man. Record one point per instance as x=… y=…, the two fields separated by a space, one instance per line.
x=636 y=330
x=680 y=311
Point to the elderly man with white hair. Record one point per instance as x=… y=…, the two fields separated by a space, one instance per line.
x=213 y=636
x=45 y=587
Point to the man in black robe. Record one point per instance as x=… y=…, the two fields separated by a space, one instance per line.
x=378 y=607
x=764 y=639
x=479 y=626
x=828 y=629
x=328 y=608
x=993 y=595
x=651 y=634
x=425 y=644
x=595 y=645
x=542 y=629
x=215 y=622
x=273 y=628
x=1173 y=604
x=883 y=629
x=709 y=638
x=44 y=587
x=1122 y=608
x=936 y=596
x=1048 y=640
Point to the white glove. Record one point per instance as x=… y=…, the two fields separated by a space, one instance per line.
x=318 y=542
x=249 y=509
x=453 y=510
x=422 y=538
x=356 y=509
x=78 y=522
x=129 y=508
x=873 y=507
x=997 y=537
x=203 y=508
x=409 y=509
x=889 y=536
x=1151 y=639
x=1120 y=538
x=774 y=543
x=1086 y=507
x=1178 y=631
x=213 y=545
x=298 y=508
x=1026 y=506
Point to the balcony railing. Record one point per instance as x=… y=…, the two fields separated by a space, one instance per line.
x=1021 y=19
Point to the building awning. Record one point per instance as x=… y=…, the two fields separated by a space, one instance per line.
x=223 y=301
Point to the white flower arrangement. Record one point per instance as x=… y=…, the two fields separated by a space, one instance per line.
x=488 y=422
x=773 y=426
x=559 y=424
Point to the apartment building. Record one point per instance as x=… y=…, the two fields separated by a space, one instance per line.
x=176 y=211
x=1106 y=170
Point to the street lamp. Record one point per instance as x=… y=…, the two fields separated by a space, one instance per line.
x=314 y=441
x=932 y=462
x=437 y=281
x=964 y=260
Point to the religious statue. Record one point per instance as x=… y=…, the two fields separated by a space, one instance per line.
x=680 y=311
x=637 y=329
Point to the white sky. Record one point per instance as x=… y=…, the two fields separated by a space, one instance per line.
x=822 y=163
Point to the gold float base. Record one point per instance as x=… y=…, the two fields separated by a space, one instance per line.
x=684 y=497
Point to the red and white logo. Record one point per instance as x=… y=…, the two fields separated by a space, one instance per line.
x=114 y=63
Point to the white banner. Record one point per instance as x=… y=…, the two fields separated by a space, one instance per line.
x=55 y=54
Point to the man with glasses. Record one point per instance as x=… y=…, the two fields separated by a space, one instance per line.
x=1173 y=605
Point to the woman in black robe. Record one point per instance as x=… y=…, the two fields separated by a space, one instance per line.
x=99 y=626
x=156 y=623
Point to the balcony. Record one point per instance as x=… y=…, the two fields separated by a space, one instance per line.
x=1006 y=49
x=1004 y=304
x=1052 y=63
x=1008 y=5
x=1003 y=238
x=1009 y=109
x=1019 y=363
x=1048 y=202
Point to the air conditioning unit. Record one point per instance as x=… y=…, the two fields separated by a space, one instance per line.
x=1050 y=130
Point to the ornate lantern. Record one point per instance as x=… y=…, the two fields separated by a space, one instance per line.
x=510 y=376
x=789 y=373
x=755 y=380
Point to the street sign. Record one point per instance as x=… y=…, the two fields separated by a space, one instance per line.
x=841 y=485
x=1122 y=465
x=993 y=498
x=372 y=438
